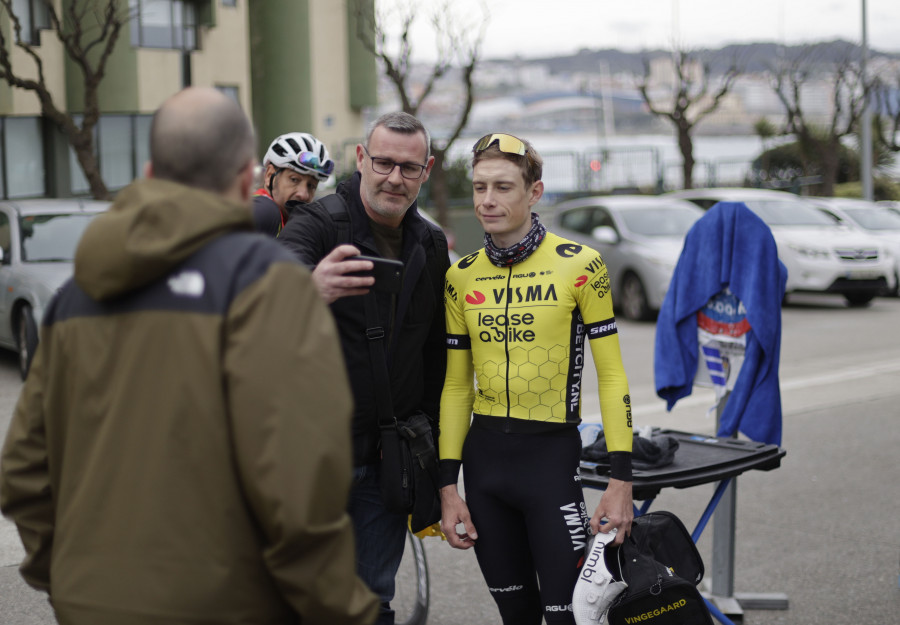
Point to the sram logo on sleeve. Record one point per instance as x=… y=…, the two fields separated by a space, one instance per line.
x=600 y=329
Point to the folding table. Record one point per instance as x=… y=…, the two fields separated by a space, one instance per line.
x=700 y=459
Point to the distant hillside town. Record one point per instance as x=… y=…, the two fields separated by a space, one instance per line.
x=597 y=91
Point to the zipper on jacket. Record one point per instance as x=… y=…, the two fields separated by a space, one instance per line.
x=507 y=296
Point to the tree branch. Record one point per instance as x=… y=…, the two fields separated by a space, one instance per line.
x=728 y=82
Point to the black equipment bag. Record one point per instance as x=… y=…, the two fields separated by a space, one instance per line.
x=409 y=470
x=662 y=567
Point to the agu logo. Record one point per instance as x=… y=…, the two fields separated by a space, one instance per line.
x=475 y=298
x=581 y=280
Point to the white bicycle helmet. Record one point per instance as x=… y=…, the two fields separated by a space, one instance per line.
x=301 y=152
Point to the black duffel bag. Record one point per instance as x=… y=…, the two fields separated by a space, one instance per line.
x=662 y=567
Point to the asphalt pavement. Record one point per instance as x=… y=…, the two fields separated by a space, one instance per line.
x=823 y=528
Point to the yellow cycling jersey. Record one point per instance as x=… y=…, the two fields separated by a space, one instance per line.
x=521 y=332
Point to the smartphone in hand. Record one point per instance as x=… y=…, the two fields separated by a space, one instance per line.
x=388 y=273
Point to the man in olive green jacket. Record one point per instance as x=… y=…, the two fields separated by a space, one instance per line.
x=159 y=465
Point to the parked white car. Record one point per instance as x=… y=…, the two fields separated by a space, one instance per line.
x=874 y=219
x=639 y=238
x=820 y=255
x=37 y=244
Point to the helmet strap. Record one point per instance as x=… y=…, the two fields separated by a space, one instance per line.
x=278 y=170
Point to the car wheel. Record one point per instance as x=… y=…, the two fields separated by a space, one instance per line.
x=634 y=299
x=859 y=299
x=27 y=339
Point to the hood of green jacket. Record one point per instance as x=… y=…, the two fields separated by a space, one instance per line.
x=152 y=226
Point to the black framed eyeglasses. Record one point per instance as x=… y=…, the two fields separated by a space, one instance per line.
x=385 y=167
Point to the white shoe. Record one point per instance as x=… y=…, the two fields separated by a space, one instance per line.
x=596 y=588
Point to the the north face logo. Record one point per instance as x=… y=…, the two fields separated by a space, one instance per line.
x=189 y=283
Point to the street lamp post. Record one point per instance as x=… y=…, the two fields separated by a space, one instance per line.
x=866 y=148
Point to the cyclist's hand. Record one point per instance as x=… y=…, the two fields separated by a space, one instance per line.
x=617 y=507
x=456 y=522
x=331 y=281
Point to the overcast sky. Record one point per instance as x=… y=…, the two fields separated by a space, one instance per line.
x=533 y=28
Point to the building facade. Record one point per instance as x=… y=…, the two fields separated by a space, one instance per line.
x=293 y=65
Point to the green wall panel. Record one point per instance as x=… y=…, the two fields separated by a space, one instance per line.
x=281 y=68
x=362 y=70
x=118 y=91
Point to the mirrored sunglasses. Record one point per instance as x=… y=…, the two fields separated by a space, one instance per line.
x=507 y=143
x=311 y=161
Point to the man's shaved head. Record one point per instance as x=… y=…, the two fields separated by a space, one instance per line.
x=201 y=138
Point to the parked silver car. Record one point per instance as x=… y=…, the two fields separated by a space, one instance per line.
x=639 y=238
x=874 y=219
x=37 y=244
x=820 y=255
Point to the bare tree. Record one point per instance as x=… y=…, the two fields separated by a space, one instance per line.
x=691 y=102
x=820 y=143
x=457 y=42
x=88 y=31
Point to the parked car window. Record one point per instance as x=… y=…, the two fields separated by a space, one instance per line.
x=659 y=222
x=777 y=213
x=603 y=218
x=579 y=220
x=52 y=237
x=5 y=242
x=876 y=218
x=704 y=203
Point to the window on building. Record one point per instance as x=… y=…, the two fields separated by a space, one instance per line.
x=164 y=24
x=116 y=144
x=229 y=3
x=142 y=143
x=231 y=91
x=123 y=147
x=33 y=15
x=24 y=174
x=78 y=180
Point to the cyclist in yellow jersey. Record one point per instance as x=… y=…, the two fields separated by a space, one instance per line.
x=521 y=315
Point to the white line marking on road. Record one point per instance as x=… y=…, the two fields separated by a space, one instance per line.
x=796 y=383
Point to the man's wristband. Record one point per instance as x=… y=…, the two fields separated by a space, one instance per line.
x=620 y=465
x=450 y=472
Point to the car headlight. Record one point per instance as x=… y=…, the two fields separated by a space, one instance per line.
x=810 y=252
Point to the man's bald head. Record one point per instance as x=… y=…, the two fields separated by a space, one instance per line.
x=201 y=138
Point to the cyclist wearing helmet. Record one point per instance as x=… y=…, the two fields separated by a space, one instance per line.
x=295 y=164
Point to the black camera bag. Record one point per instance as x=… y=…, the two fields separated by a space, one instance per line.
x=409 y=470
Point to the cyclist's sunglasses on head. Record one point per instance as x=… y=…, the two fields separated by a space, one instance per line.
x=507 y=144
x=311 y=161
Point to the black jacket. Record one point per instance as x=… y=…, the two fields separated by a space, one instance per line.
x=417 y=355
x=266 y=215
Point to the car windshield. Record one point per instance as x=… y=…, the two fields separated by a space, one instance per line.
x=52 y=237
x=669 y=221
x=875 y=218
x=781 y=213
